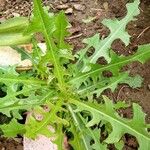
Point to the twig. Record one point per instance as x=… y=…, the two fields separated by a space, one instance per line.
x=96 y=9
x=141 y=9
x=73 y=37
x=120 y=91
x=143 y=31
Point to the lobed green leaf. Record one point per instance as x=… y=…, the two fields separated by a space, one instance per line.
x=135 y=126
x=12 y=129
x=117 y=31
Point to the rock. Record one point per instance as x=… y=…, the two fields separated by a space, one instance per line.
x=41 y=142
x=15 y=14
x=149 y=86
x=63 y=6
x=11 y=57
x=79 y=7
x=69 y=11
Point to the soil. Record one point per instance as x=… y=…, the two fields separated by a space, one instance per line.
x=100 y=9
x=10 y=144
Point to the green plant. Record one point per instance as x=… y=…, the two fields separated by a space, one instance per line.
x=62 y=92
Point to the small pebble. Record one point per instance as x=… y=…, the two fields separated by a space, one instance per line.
x=69 y=11
x=16 y=14
x=16 y=7
x=79 y=7
x=63 y=6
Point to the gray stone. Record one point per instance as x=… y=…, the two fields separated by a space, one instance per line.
x=79 y=7
x=69 y=11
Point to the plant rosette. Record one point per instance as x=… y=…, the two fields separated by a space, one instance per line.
x=70 y=85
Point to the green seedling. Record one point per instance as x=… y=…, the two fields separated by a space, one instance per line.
x=66 y=89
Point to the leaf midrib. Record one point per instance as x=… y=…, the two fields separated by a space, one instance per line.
x=29 y=81
x=110 y=117
x=78 y=125
x=25 y=105
x=51 y=114
x=110 y=38
x=56 y=64
x=98 y=83
x=108 y=66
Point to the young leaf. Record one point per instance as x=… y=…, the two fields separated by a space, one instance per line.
x=42 y=22
x=12 y=129
x=61 y=32
x=61 y=24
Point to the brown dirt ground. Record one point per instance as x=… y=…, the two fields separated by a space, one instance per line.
x=140 y=31
x=10 y=144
